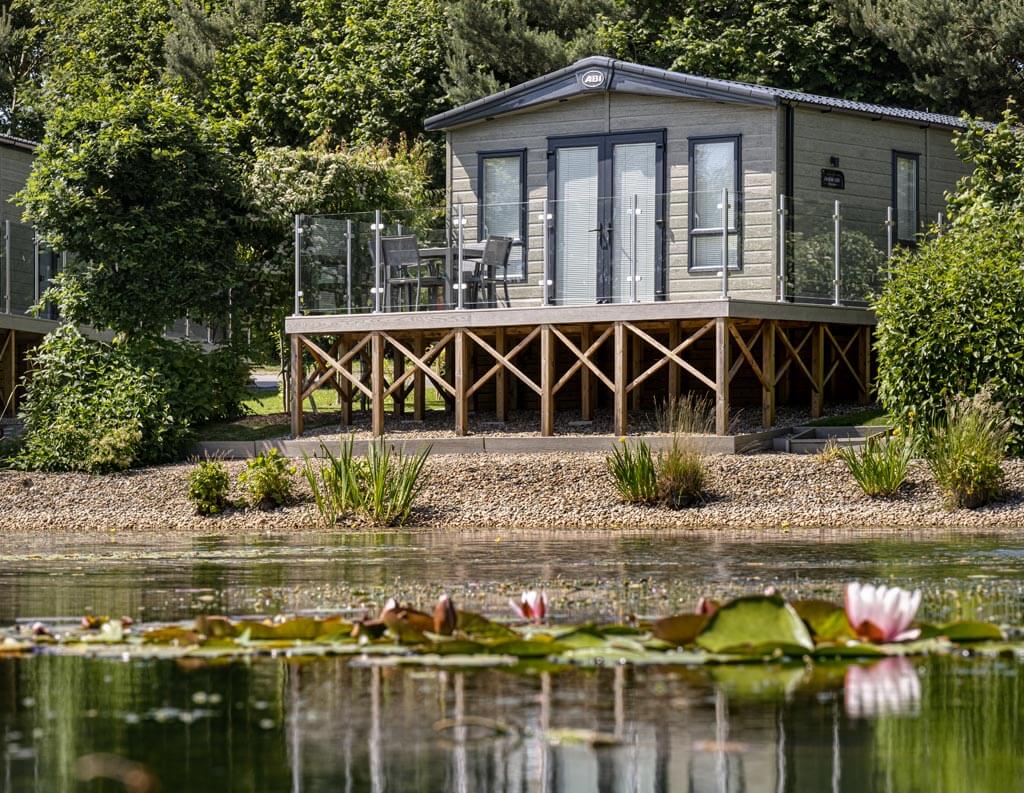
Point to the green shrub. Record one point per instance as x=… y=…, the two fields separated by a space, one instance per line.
x=267 y=480
x=949 y=322
x=208 y=487
x=95 y=406
x=632 y=469
x=382 y=488
x=880 y=467
x=681 y=476
x=966 y=452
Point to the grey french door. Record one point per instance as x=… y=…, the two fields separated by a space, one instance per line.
x=606 y=238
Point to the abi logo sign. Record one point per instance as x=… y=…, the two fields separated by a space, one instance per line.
x=592 y=79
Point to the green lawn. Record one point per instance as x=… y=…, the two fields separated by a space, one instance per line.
x=869 y=417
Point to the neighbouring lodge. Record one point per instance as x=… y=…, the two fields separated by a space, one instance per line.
x=578 y=263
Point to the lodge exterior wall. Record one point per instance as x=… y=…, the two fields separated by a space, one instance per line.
x=609 y=113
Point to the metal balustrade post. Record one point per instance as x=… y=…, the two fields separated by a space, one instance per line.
x=940 y=223
x=378 y=275
x=35 y=267
x=837 y=221
x=890 y=227
x=545 y=281
x=298 y=264
x=461 y=221
x=725 y=242
x=348 y=263
x=782 y=248
x=634 y=277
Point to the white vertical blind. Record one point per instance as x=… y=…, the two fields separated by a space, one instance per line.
x=714 y=169
x=576 y=215
x=635 y=167
x=906 y=198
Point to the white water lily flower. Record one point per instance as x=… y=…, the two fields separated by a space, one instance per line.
x=533 y=606
x=881 y=614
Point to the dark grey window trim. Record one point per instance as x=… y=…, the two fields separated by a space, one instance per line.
x=898 y=155
x=605 y=142
x=737 y=141
x=524 y=227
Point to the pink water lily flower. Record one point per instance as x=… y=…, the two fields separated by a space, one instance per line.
x=888 y=688
x=881 y=614
x=533 y=606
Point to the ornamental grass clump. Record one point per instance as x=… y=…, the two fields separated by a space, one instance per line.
x=208 y=487
x=267 y=480
x=632 y=469
x=880 y=467
x=682 y=470
x=966 y=452
x=382 y=488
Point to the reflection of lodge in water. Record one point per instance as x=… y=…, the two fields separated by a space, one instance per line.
x=458 y=731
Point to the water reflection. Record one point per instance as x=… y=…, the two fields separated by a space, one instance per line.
x=328 y=725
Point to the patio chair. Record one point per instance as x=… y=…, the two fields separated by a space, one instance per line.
x=492 y=268
x=407 y=272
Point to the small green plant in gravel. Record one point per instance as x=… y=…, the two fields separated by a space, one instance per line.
x=880 y=467
x=267 y=480
x=208 y=487
x=382 y=488
x=966 y=452
x=681 y=476
x=632 y=468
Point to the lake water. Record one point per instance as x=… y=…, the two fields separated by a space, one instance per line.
x=935 y=725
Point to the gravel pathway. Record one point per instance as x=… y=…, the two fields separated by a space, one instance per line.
x=773 y=493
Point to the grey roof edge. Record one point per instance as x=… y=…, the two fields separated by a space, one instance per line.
x=629 y=77
x=17 y=143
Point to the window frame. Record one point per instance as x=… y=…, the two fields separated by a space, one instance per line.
x=898 y=155
x=737 y=229
x=524 y=228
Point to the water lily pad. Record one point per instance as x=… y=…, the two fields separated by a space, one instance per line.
x=480 y=627
x=966 y=631
x=680 y=629
x=755 y=625
x=826 y=620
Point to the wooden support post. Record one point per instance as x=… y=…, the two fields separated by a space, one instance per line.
x=501 y=379
x=419 y=382
x=398 y=398
x=768 y=373
x=547 y=381
x=7 y=375
x=461 y=382
x=635 y=359
x=674 y=370
x=722 y=365
x=621 y=381
x=345 y=386
x=587 y=383
x=377 y=383
x=296 y=369
x=864 y=359
x=817 y=370
x=449 y=370
x=783 y=383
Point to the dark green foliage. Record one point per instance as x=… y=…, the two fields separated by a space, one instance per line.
x=208 y=487
x=22 y=61
x=93 y=406
x=803 y=45
x=965 y=55
x=950 y=322
x=268 y=479
x=812 y=267
x=966 y=449
x=497 y=43
x=138 y=186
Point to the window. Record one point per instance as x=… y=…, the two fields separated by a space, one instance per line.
x=503 y=204
x=905 y=195
x=714 y=166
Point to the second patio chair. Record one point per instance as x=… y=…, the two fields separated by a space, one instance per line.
x=407 y=272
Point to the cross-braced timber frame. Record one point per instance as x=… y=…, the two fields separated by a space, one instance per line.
x=776 y=349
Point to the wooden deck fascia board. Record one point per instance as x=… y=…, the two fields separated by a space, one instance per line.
x=755 y=310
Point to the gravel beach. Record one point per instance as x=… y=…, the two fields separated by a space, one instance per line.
x=772 y=493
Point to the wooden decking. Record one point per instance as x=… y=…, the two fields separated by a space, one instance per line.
x=551 y=358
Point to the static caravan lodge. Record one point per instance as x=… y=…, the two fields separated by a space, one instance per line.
x=615 y=234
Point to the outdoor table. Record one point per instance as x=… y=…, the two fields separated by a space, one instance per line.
x=471 y=251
